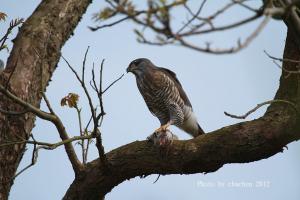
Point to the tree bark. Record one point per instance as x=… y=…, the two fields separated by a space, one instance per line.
x=240 y=143
x=33 y=59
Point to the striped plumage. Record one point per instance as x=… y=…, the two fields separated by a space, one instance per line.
x=164 y=96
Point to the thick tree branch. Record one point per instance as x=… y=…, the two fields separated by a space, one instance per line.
x=204 y=154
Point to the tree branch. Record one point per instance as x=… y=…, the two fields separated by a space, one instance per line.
x=259 y=106
x=240 y=45
x=13 y=24
x=157 y=18
x=207 y=153
x=46 y=145
x=96 y=118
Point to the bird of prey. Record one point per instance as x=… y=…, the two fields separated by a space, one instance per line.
x=164 y=96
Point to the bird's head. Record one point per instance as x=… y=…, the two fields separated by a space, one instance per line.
x=139 y=66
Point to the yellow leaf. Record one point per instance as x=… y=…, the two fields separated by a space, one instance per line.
x=2 y=16
x=106 y=13
x=70 y=100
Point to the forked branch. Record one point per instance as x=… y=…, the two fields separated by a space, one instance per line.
x=157 y=17
x=96 y=116
x=52 y=117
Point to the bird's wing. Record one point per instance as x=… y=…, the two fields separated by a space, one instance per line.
x=173 y=76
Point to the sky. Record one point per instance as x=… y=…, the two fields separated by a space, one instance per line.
x=233 y=83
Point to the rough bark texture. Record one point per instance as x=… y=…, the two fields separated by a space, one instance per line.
x=32 y=61
x=239 y=143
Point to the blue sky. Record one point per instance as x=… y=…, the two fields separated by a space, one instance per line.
x=214 y=84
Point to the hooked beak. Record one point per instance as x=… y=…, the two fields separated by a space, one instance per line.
x=130 y=68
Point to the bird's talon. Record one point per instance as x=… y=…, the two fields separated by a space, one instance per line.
x=163 y=128
x=162 y=138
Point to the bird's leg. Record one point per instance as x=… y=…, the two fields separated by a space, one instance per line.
x=163 y=128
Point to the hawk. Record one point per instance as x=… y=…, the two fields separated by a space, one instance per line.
x=164 y=96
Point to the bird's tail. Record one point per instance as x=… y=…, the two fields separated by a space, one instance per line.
x=200 y=130
x=191 y=126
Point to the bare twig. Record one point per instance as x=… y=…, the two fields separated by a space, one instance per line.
x=91 y=105
x=281 y=59
x=89 y=140
x=99 y=119
x=260 y=105
x=194 y=16
x=285 y=60
x=110 y=24
x=81 y=134
x=46 y=145
x=33 y=160
x=242 y=4
x=160 y=12
x=112 y=83
x=37 y=145
x=84 y=88
x=223 y=28
x=12 y=25
x=240 y=45
x=96 y=118
x=157 y=178
x=286 y=70
x=96 y=132
x=47 y=103
x=209 y=19
x=83 y=63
